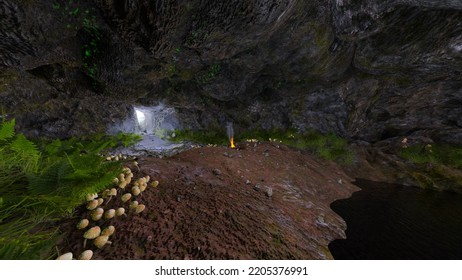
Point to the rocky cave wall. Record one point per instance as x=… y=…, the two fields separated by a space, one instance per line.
x=369 y=70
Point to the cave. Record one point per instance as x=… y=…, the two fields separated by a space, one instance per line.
x=205 y=111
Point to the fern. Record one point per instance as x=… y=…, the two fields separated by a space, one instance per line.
x=90 y=174
x=28 y=246
x=25 y=147
x=74 y=177
x=50 y=180
x=71 y=179
x=7 y=130
x=24 y=233
x=27 y=151
x=16 y=162
x=40 y=183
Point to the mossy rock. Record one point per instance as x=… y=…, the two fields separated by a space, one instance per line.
x=448 y=177
x=423 y=180
x=186 y=75
x=6 y=78
x=438 y=177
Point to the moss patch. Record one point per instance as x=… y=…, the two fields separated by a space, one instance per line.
x=434 y=154
x=436 y=166
x=6 y=78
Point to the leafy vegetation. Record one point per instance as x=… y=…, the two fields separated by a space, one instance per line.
x=212 y=72
x=76 y=17
x=42 y=183
x=436 y=154
x=327 y=146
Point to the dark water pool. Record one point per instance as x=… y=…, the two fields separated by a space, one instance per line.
x=388 y=221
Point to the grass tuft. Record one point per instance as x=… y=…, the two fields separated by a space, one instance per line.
x=435 y=154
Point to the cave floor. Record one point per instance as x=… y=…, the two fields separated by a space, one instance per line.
x=259 y=201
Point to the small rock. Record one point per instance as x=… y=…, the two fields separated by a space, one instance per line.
x=178 y=198
x=340 y=181
x=320 y=222
x=269 y=192
x=247 y=182
x=216 y=172
x=225 y=154
x=257 y=187
x=266 y=154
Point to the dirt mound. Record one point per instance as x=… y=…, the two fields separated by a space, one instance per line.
x=260 y=201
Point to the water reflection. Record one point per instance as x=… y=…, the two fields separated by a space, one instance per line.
x=388 y=221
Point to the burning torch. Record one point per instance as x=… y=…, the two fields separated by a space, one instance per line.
x=230 y=132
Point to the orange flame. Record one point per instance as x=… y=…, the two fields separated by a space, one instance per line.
x=232 y=143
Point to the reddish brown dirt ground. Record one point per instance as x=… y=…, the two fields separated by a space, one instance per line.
x=260 y=201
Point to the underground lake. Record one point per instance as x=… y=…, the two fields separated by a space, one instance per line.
x=395 y=222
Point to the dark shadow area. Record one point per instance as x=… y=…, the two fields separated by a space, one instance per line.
x=389 y=221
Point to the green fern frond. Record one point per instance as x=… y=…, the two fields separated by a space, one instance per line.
x=90 y=174
x=95 y=185
x=74 y=177
x=25 y=147
x=7 y=130
x=39 y=186
x=13 y=168
x=28 y=246
x=53 y=148
x=27 y=151
x=51 y=179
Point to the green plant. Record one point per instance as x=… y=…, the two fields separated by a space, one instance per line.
x=18 y=157
x=278 y=84
x=42 y=183
x=171 y=70
x=76 y=18
x=19 y=212
x=327 y=146
x=435 y=154
x=212 y=72
x=91 y=49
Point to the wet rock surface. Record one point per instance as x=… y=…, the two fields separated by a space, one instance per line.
x=368 y=70
x=197 y=212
